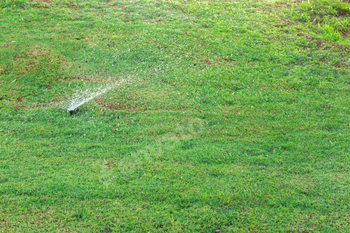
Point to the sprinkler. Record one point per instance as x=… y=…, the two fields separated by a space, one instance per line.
x=81 y=97
x=72 y=107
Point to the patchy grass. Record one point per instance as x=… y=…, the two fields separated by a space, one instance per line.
x=233 y=116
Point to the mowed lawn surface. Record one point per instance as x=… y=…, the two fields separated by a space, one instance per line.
x=228 y=116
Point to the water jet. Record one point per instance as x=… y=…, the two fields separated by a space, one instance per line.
x=81 y=97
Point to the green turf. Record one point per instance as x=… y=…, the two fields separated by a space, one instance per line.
x=230 y=116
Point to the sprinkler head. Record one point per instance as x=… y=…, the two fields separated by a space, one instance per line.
x=70 y=112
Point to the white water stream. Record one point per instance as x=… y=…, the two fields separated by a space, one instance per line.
x=81 y=97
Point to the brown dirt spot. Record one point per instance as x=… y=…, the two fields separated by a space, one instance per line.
x=226 y=62
x=338 y=64
x=107 y=164
x=37 y=52
x=38 y=59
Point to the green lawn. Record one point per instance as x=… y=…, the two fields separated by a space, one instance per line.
x=227 y=116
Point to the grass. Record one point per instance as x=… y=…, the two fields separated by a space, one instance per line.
x=233 y=116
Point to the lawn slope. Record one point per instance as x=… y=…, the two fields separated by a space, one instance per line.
x=226 y=116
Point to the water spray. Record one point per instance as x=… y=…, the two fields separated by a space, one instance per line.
x=81 y=97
